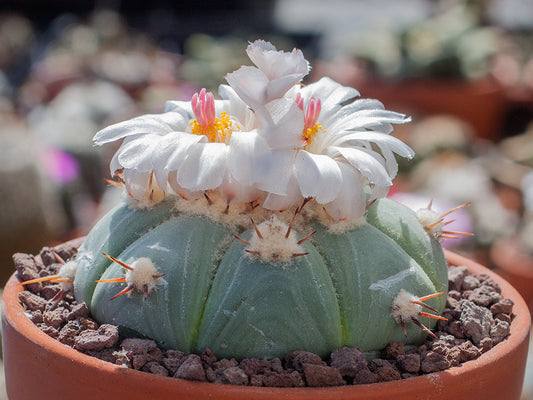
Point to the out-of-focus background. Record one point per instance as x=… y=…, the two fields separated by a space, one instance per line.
x=462 y=69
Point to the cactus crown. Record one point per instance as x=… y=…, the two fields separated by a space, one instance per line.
x=254 y=224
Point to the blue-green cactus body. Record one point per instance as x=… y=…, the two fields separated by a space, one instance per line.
x=258 y=309
x=111 y=235
x=216 y=295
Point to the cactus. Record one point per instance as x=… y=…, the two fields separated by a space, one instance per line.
x=255 y=225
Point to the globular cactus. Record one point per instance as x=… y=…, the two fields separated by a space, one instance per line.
x=255 y=225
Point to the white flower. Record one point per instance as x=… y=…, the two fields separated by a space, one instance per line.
x=267 y=140
x=276 y=73
x=197 y=146
x=339 y=162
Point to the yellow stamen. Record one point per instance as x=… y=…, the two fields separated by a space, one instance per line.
x=219 y=130
x=310 y=133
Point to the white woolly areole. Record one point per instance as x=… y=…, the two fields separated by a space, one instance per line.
x=143 y=277
x=215 y=207
x=403 y=309
x=427 y=218
x=68 y=271
x=272 y=245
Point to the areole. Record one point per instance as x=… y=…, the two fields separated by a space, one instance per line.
x=39 y=367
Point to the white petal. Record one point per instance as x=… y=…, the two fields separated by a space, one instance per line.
x=248 y=154
x=181 y=107
x=233 y=190
x=276 y=64
x=180 y=149
x=351 y=202
x=280 y=202
x=288 y=124
x=137 y=183
x=145 y=124
x=319 y=176
x=137 y=154
x=331 y=95
x=187 y=194
x=368 y=162
x=236 y=108
x=383 y=140
x=169 y=152
x=204 y=168
x=377 y=120
x=278 y=172
x=250 y=84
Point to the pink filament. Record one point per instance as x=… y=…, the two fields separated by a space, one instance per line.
x=203 y=107
x=313 y=110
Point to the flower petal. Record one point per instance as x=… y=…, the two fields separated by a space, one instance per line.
x=276 y=64
x=351 y=201
x=319 y=176
x=282 y=202
x=137 y=154
x=170 y=152
x=287 y=127
x=377 y=120
x=137 y=183
x=331 y=94
x=149 y=123
x=250 y=84
x=233 y=190
x=367 y=162
x=204 y=168
x=237 y=109
x=278 y=173
x=247 y=157
x=383 y=140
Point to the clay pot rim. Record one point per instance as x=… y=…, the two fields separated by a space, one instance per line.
x=13 y=312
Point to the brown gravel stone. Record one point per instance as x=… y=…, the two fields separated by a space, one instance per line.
x=348 y=360
x=31 y=301
x=456 y=276
x=434 y=362
x=172 y=360
x=388 y=374
x=365 y=376
x=155 y=368
x=393 y=350
x=321 y=375
x=141 y=351
x=504 y=306
x=49 y=330
x=409 y=363
x=191 y=369
x=105 y=336
x=68 y=333
x=476 y=321
x=233 y=376
x=296 y=360
x=499 y=331
x=283 y=379
x=484 y=296
x=253 y=366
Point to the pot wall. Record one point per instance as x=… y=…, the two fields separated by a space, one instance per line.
x=39 y=367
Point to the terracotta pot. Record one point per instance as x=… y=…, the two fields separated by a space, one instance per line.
x=515 y=265
x=39 y=367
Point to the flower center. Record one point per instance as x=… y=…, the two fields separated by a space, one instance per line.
x=217 y=129
x=311 y=125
